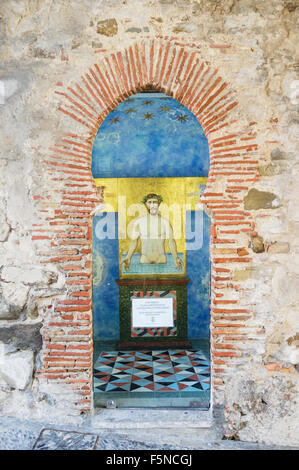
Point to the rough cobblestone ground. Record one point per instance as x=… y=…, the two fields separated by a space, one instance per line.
x=27 y=435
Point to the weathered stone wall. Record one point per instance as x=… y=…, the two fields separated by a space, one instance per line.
x=46 y=47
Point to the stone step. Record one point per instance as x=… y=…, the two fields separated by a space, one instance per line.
x=188 y=428
x=151 y=418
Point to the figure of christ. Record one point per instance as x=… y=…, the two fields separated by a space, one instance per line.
x=153 y=230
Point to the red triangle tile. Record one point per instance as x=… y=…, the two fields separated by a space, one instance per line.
x=105 y=378
x=191 y=377
x=182 y=386
x=166 y=389
x=177 y=370
x=150 y=386
x=135 y=377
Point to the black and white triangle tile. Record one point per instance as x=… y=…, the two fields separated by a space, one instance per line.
x=152 y=371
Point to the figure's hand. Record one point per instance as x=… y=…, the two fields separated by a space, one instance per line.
x=179 y=263
x=126 y=262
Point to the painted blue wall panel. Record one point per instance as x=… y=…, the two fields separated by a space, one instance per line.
x=198 y=271
x=105 y=289
x=150 y=135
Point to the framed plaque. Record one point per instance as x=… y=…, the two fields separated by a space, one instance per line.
x=152 y=312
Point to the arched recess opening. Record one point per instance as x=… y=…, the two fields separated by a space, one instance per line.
x=63 y=235
x=151 y=260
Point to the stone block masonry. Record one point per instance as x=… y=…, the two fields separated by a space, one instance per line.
x=233 y=64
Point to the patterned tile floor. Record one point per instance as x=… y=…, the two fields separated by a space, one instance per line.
x=152 y=371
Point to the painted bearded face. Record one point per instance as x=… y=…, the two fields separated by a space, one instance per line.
x=152 y=206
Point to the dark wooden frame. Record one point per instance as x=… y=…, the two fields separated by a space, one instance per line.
x=126 y=286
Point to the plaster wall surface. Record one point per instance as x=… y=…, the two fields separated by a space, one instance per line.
x=47 y=46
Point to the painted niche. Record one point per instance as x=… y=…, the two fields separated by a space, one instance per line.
x=150 y=150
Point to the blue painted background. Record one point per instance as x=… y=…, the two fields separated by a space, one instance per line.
x=105 y=291
x=198 y=271
x=150 y=135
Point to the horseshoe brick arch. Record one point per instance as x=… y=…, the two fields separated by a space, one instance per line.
x=180 y=71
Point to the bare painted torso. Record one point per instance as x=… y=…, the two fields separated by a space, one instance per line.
x=152 y=230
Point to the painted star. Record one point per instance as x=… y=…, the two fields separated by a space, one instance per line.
x=148 y=116
x=182 y=118
x=129 y=100
x=165 y=108
x=147 y=102
x=114 y=120
x=131 y=110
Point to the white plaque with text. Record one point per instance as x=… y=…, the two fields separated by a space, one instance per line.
x=152 y=313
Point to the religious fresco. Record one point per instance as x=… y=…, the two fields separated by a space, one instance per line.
x=151 y=236
x=152 y=230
